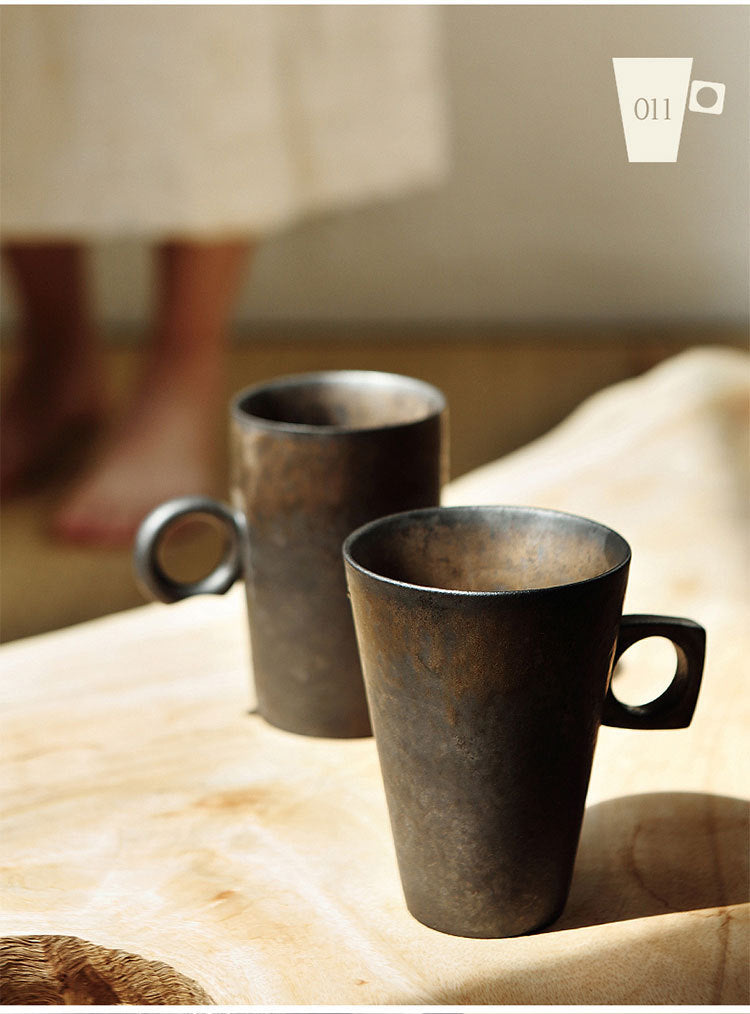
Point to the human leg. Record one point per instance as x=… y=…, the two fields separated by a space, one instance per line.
x=57 y=387
x=165 y=445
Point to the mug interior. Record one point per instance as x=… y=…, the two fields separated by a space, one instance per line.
x=486 y=549
x=345 y=400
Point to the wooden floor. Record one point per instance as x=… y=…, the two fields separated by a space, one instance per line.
x=505 y=386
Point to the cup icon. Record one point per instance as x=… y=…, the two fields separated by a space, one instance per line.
x=653 y=92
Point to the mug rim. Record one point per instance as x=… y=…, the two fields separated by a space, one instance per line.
x=366 y=378
x=479 y=508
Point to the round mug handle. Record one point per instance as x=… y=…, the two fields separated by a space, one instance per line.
x=151 y=576
x=674 y=708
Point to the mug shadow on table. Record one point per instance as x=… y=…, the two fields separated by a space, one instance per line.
x=641 y=856
x=655 y=853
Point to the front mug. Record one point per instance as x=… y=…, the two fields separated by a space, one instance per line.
x=312 y=457
x=487 y=637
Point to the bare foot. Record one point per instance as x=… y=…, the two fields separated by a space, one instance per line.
x=165 y=447
x=50 y=407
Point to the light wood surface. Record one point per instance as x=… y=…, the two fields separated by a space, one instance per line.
x=146 y=810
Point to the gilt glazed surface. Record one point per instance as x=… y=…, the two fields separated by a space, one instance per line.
x=313 y=457
x=486 y=702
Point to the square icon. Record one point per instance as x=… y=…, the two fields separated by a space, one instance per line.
x=706 y=97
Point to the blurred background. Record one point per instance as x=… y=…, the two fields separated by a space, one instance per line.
x=495 y=240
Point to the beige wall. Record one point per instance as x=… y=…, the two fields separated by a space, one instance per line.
x=543 y=217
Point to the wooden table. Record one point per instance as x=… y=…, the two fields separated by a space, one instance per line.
x=145 y=809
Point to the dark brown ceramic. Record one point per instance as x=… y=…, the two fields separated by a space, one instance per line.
x=313 y=456
x=487 y=637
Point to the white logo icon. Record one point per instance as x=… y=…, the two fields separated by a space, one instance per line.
x=653 y=92
x=706 y=97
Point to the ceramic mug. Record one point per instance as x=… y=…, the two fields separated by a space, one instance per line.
x=487 y=637
x=312 y=457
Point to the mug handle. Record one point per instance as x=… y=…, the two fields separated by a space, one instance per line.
x=674 y=708
x=152 y=579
